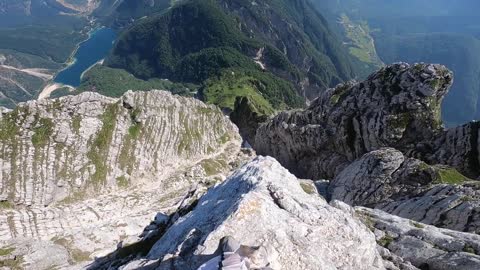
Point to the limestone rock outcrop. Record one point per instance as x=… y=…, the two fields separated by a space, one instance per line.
x=398 y=106
x=83 y=174
x=345 y=134
x=53 y=149
x=407 y=187
x=263 y=205
x=424 y=246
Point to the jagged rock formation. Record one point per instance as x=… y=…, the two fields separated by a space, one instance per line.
x=410 y=188
x=104 y=167
x=396 y=107
x=263 y=205
x=248 y=116
x=399 y=106
x=457 y=147
x=426 y=247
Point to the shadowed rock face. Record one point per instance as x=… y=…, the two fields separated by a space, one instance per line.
x=407 y=187
x=398 y=106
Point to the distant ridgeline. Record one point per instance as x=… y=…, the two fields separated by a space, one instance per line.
x=276 y=53
x=443 y=31
x=121 y=13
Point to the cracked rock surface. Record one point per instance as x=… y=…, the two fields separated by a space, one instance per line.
x=424 y=246
x=398 y=106
x=263 y=205
x=407 y=187
x=82 y=174
x=382 y=144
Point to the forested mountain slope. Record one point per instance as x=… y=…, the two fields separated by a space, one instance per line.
x=278 y=52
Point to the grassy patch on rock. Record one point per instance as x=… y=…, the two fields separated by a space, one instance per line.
x=447 y=175
x=5 y=205
x=213 y=167
x=42 y=132
x=122 y=182
x=99 y=149
x=385 y=241
x=309 y=188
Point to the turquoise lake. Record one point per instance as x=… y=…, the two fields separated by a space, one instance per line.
x=90 y=52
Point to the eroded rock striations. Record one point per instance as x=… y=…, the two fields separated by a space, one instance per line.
x=54 y=149
x=424 y=246
x=81 y=174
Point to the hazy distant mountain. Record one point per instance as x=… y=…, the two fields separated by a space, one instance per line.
x=442 y=31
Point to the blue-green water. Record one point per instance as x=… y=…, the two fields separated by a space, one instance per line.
x=91 y=51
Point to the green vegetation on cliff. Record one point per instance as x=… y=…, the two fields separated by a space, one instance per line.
x=274 y=92
x=120 y=13
x=114 y=82
x=153 y=47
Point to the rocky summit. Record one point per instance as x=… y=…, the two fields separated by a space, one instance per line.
x=366 y=177
x=398 y=106
x=263 y=205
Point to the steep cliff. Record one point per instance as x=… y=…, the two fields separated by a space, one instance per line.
x=342 y=136
x=55 y=148
x=398 y=106
x=81 y=174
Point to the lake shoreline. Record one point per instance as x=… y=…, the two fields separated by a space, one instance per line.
x=100 y=62
x=71 y=59
x=50 y=88
x=91 y=28
x=89 y=53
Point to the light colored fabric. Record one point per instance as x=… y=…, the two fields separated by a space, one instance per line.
x=233 y=261
x=235 y=257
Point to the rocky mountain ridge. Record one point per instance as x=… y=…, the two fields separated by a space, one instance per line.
x=73 y=169
x=54 y=149
x=292 y=227
x=344 y=135
x=163 y=178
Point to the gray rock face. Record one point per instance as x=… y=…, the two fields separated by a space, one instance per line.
x=426 y=247
x=83 y=174
x=263 y=205
x=410 y=188
x=457 y=147
x=398 y=106
x=53 y=149
x=342 y=136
